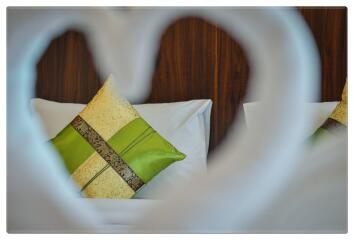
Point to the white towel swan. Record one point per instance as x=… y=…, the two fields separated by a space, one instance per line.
x=260 y=181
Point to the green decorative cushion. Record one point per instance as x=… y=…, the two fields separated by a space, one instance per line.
x=109 y=150
x=337 y=121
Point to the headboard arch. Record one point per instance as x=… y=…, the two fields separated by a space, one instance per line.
x=196 y=60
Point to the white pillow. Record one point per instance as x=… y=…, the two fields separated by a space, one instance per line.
x=185 y=124
x=319 y=112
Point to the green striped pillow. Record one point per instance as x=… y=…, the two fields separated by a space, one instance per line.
x=109 y=150
x=337 y=121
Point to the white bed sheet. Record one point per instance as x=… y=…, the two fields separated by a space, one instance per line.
x=120 y=215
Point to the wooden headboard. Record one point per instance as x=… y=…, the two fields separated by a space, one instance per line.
x=196 y=60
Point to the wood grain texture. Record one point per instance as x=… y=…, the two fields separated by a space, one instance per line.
x=196 y=60
x=329 y=27
x=66 y=72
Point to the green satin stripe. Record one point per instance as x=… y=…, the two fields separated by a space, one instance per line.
x=126 y=149
x=143 y=149
x=72 y=147
x=142 y=135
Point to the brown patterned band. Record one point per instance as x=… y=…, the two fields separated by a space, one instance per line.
x=107 y=153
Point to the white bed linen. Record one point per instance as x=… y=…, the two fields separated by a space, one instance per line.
x=318 y=113
x=120 y=215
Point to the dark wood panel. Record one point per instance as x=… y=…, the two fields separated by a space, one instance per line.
x=196 y=60
x=66 y=72
x=329 y=27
